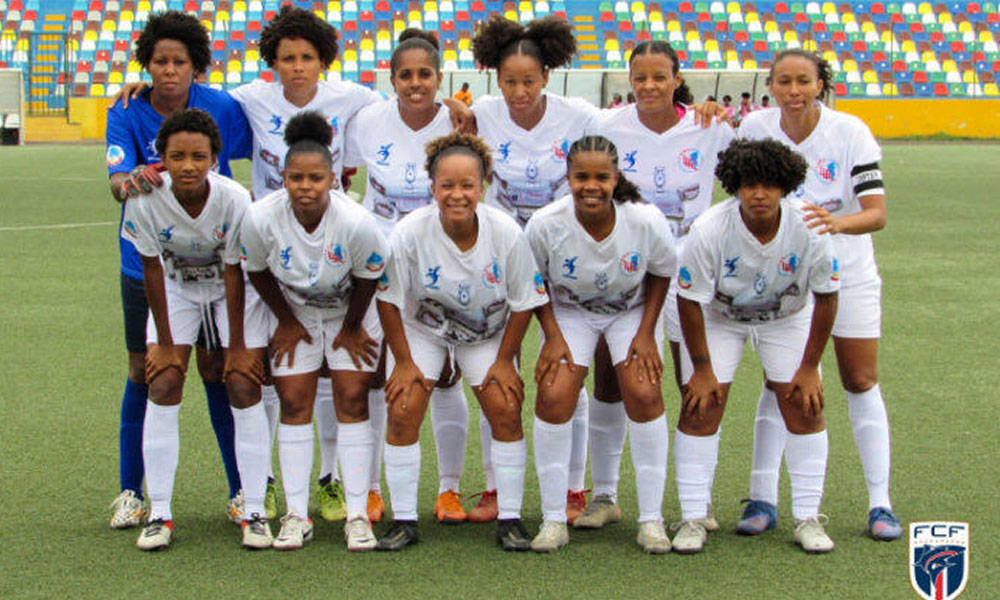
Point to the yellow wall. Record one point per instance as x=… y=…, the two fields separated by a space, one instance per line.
x=898 y=118
x=91 y=115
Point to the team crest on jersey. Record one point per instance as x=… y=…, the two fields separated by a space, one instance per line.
x=799 y=191
x=832 y=205
x=628 y=161
x=939 y=559
x=492 y=275
x=689 y=160
x=129 y=228
x=115 y=155
x=335 y=125
x=383 y=283
x=243 y=252
x=730 y=265
x=463 y=294
x=539 y=283
x=410 y=174
x=313 y=273
x=560 y=150
x=334 y=254
x=384 y=151
x=760 y=283
x=531 y=171
x=827 y=169
x=167 y=234
x=286 y=257
x=630 y=263
x=375 y=262
x=660 y=179
x=275 y=125
x=503 y=151
x=569 y=267
x=601 y=281
x=788 y=265
x=684 y=279
x=219 y=233
x=432 y=276
x=835 y=273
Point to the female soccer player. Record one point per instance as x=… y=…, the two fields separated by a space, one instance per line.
x=314 y=256
x=187 y=235
x=607 y=258
x=749 y=269
x=462 y=277
x=843 y=196
x=174 y=49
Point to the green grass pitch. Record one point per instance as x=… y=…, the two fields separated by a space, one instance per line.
x=63 y=366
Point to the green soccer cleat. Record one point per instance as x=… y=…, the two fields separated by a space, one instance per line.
x=330 y=496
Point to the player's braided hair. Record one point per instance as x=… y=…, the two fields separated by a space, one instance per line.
x=823 y=70
x=175 y=25
x=769 y=162
x=682 y=95
x=193 y=120
x=298 y=23
x=548 y=40
x=309 y=132
x=413 y=38
x=625 y=190
x=458 y=143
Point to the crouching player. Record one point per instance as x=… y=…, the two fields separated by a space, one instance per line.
x=749 y=268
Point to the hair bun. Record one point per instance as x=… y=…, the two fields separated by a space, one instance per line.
x=308 y=126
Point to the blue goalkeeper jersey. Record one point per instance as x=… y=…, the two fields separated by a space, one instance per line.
x=131 y=141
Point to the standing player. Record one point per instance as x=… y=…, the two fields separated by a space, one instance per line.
x=843 y=196
x=607 y=258
x=462 y=277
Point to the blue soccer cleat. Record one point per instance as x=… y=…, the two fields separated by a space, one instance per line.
x=758 y=517
x=883 y=525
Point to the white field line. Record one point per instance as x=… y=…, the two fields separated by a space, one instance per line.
x=57 y=226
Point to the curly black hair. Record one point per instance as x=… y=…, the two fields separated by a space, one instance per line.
x=192 y=120
x=548 y=40
x=768 y=162
x=301 y=24
x=625 y=190
x=459 y=143
x=308 y=132
x=175 y=25
x=682 y=94
x=412 y=38
x=824 y=72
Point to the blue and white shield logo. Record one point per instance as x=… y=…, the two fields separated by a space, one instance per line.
x=939 y=558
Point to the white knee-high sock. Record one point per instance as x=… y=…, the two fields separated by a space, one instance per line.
x=805 y=455
x=578 y=457
x=272 y=408
x=160 y=448
x=649 y=445
x=769 y=438
x=607 y=441
x=450 y=422
x=355 y=448
x=871 y=435
x=510 y=460
x=377 y=415
x=486 y=444
x=553 y=447
x=694 y=459
x=295 y=453
x=402 y=475
x=253 y=455
x=326 y=426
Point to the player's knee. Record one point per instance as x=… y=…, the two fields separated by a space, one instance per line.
x=505 y=421
x=243 y=392
x=352 y=410
x=403 y=423
x=554 y=407
x=351 y=389
x=167 y=387
x=644 y=403
x=700 y=425
x=859 y=381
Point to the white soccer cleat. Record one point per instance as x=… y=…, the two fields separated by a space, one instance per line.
x=690 y=537
x=256 y=533
x=155 y=535
x=236 y=508
x=710 y=523
x=552 y=535
x=127 y=511
x=601 y=511
x=359 y=535
x=809 y=534
x=653 y=537
x=295 y=532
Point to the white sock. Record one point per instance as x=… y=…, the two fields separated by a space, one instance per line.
x=805 y=455
x=769 y=438
x=871 y=435
x=355 y=448
x=649 y=445
x=715 y=463
x=694 y=459
x=450 y=421
x=607 y=442
x=295 y=453
x=326 y=426
x=377 y=415
x=486 y=443
x=160 y=448
x=272 y=406
x=510 y=460
x=553 y=447
x=253 y=455
x=402 y=474
x=578 y=457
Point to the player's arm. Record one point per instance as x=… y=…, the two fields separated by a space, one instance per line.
x=405 y=374
x=555 y=350
x=644 y=347
x=866 y=180
x=352 y=336
x=503 y=371
x=703 y=388
x=807 y=380
x=238 y=358
x=289 y=330
x=161 y=355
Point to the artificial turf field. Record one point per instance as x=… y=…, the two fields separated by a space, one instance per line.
x=63 y=368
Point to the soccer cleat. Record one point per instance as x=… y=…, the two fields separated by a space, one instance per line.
x=155 y=535
x=512 y=536
x=236 y=508
x=809 y=534
x=709 y=521
x=359 y=535
x=400 y=535
x=882 y=525
x=448 y=508
x=576 y=504
x=552 y=535
x=690 y=537
x=758 y=517
x=602 y=510
x=127 y=511
x=332 y=506
x=486 y=509
x=256 y=533
x=653 y=537
x=376 y=508
x=295 y=532
x=271 y=500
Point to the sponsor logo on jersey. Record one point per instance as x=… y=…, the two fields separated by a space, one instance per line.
x=628 y=161
x=630 y=263
x=730 y=265
x=334 y=254
x=219 y=232
x=689 y=160
x=601 y=281
x=832 y=205
x=463 y=294
x=152 y=155
x=167 y=234
x=129 y=228
x=243 y=252
x=788 y=265
x=539 y=284
x=560 y=150
x=835 y=274
x=335 y=125
x=286 y=257
x=384 y=151
x=569 y=267
x=684 y=279
x=375 y=262
x=827 y=169
x=383 y=283
x=275 y=125
x=939 y=558
x=432 y=276
x=270 y=158
x=503 y=151
x=115 y=155
x=492 y=275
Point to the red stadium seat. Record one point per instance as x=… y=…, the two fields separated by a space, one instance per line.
x=781 y=8
x=840 y=89
x=898 y=66
x=877 y=8
x=367 y=76
x=700 y=64
x=996 y=66
x=685 y=7
x=267 y=76
x=940 y=89
x=919 y=77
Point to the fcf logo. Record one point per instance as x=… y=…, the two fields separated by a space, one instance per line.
x=939 y=558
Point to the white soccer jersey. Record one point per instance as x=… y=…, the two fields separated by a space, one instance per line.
x=726 y=267
x=269 y=111
x=603 y=277
x=529 y=167
x=675 y=170
x=462 y=297
x=314 y=269
x=394 y=156
x=843 y=165
x=193 y=250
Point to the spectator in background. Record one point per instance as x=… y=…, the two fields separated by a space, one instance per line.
x=727 y=103
x=765 y=102
x=464 y=95
x=746 y=105
x=616 y=101
x=630 y=98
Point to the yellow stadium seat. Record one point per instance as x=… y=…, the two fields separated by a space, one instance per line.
x=97 y=90
x=430 y=6
x=889 y=89
x=414 y=16
x=925 y=8
x=109 y=25
x=732 y=55
x=970 y=76
x=464 y=44
x=234 y=65
x=450 y=55
x=751 y=17
x=383 y=35
x=222 y=15
x=216 y=77
x=733 y=7
x=928 y=56
x=847 y=18
x=791 y=36
x=239 y=6
x=829 y=8
x=771 y=26
x=749 y=64
x=908 y=46
x=985 y=36
x=829 y=56
x=965 y=26
x=398 y=27
x=949 y=65
x=133 y=67
x=990 y=89
x=810 y=45
x=692 y=36
x=711 y=46
x=869 y=77
x=252 y=55
x=655 y=16
x=116 y=77
x=143 y=6
x=887 y=37
x=334 y=6
x=367 y=44
x=207 y=25
x=350 y=55
x=673 y=26
x=944 y=18
x=523 y=6
x=126 y=15
x=611 y=44
x=849 y=65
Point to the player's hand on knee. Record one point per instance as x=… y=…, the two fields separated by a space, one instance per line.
x=554 y=351
x=159 y=358
x=807 y=388
x=645 y=352
x=701 y=391
x=404 y=376
x=286 y=337
x=358 y=344
x=505 y=375
x=244 y=362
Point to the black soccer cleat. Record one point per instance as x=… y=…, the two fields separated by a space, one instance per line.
x=512 y=536
x=400 y=535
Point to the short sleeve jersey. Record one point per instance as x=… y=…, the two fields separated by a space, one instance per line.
x=529 y=167
x=461 y=297
x=394 y=156
x=314 y=268
x=131 y=141
x=605 y=277
x=725 y=267
x=193 y=250
x=843 y=157
x=269 y=112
